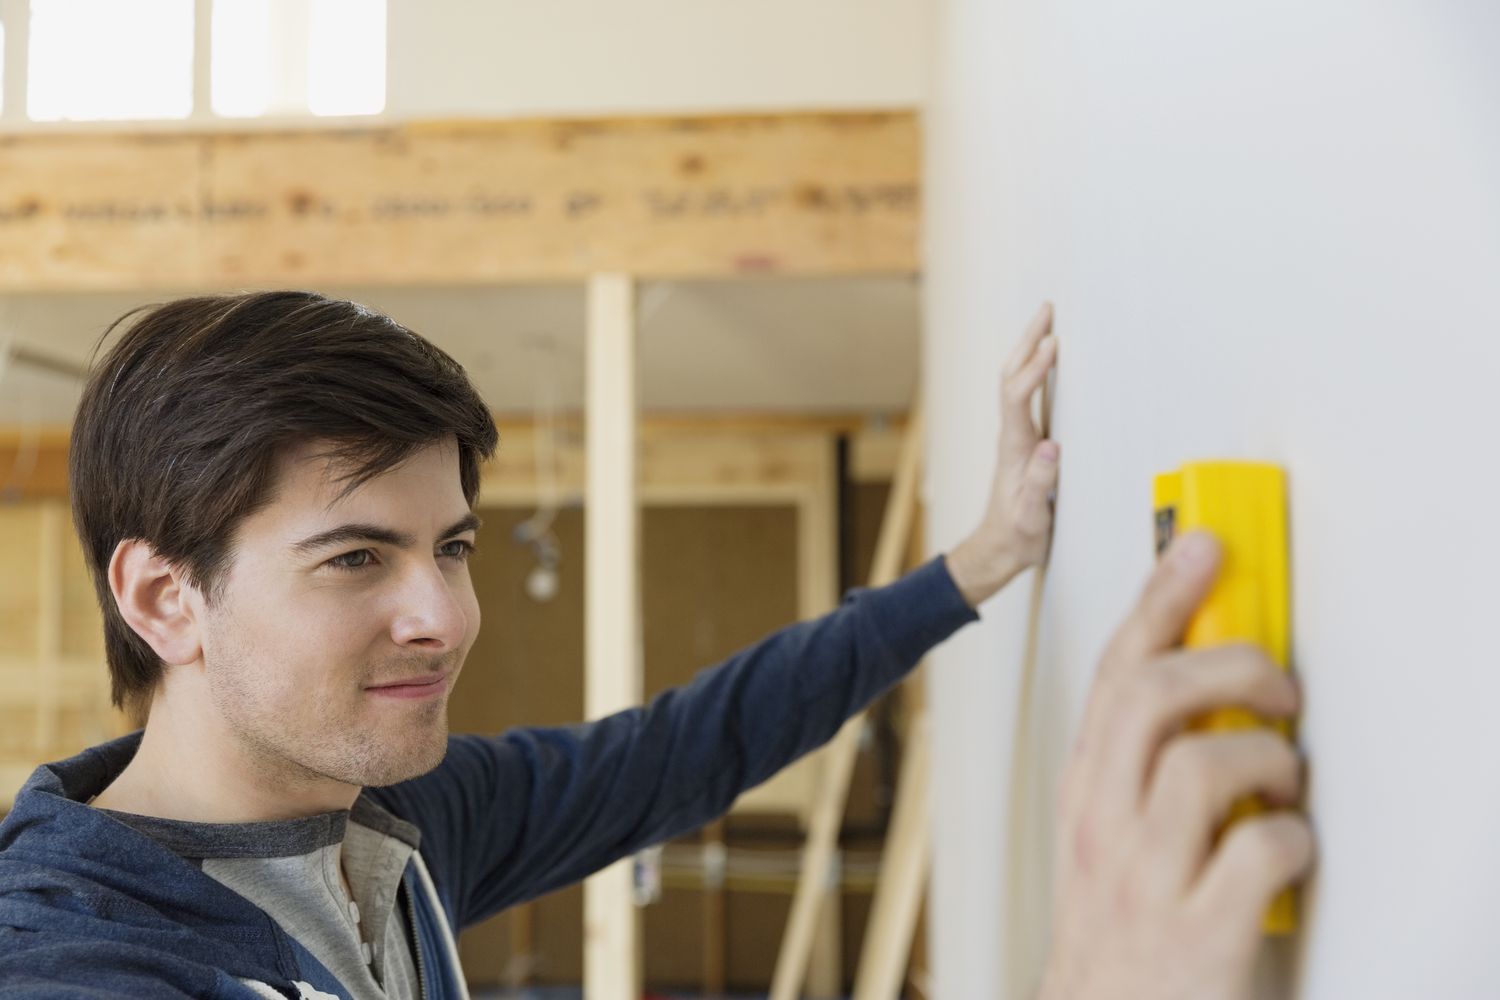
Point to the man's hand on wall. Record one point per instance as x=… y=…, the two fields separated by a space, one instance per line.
x=1148 y=903
x=1017 y=523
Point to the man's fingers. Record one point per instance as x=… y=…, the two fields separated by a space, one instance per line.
x=1197 y=778
x=1136 y=712
x=1258 y=857
x=1039 y=327
x=1018 y=388
x=1178 y=585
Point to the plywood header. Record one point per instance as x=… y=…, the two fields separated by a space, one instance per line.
x=458 y=203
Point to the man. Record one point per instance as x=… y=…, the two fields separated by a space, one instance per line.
x=275 y=495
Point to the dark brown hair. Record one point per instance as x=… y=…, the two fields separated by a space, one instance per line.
x=182 y=423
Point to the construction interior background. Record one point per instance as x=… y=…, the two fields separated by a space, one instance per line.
x=703 y=260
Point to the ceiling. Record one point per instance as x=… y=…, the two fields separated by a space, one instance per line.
x=764 y=345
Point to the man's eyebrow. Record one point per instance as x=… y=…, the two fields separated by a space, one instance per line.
x=469 y=522
x=347 y=533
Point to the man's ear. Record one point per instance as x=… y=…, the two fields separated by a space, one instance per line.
x=154 y=598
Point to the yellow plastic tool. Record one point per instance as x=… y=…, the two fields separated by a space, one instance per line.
x=1244 y=505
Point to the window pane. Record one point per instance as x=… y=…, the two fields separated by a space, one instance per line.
x=346 y=57
x=92 y=60
x=240 y=58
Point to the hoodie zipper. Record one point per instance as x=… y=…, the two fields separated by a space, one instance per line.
x=416 y=944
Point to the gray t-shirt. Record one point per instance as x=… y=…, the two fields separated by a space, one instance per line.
x=290 y=870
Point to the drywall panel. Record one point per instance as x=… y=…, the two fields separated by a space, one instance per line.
x=1272 y=231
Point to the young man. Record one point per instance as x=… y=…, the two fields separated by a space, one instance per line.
x=275 y=495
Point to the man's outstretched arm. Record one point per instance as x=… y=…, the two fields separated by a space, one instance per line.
x=510 y=817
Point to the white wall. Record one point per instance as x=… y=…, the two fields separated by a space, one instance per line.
x=564 y=57
x=1272 y=231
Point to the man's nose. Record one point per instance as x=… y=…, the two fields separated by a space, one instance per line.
x=429 y=614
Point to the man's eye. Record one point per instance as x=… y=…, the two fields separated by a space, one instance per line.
x=358 y=559
x=456 y=549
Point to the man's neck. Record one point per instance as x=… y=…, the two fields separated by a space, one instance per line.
x=132 y=793
x=199 y=772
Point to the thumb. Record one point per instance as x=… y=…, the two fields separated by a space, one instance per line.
x=1178 y=585
x=1039 y=485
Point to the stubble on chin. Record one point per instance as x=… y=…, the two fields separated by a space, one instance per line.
x=374 y=755
x=348 y=749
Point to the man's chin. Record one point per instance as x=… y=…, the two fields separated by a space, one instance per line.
x=412 y=763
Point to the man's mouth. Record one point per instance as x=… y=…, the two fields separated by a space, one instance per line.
x=421 y=686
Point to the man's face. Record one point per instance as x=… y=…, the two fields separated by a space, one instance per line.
x=330 y=604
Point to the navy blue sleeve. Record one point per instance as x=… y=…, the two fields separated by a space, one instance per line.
x=508 y=818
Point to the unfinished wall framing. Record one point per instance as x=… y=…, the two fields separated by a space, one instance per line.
x=609 y=202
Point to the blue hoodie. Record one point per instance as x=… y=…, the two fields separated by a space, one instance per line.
x=89 y=907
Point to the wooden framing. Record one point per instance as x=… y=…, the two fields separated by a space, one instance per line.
x=682 y=459
x=817 y=594
x=815 y=881
x=715 y=912
x=736 y=460
x=891 y=944
x=612 y=608
x=39 y=458
x=904 y=864
x=49 y=622
x=46 y=683
x=508 y=202
x=461 y=202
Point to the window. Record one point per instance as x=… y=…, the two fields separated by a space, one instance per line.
x=92 y=60
x=346 y=57
x=287 y=57
x=242 y=59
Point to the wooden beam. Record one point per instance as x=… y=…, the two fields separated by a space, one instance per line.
x=52 y=539
x=906 y=857
x=904 y=864
x=828 y=812
x=522 y=947
x=612 y=607
x=692 y=458
x=761 y=467
x=818 y=594
x=34 y=465
x=459 y=203
x=715 y=912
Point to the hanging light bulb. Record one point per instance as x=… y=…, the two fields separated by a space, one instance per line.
x=541 y=584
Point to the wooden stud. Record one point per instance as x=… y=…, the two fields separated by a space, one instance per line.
x=904 y=865
x=818 y=594
x=49 y=580
x=522 y=946
x=612 y=606
x=715 y=918
x=828 y=811
x=792 y=790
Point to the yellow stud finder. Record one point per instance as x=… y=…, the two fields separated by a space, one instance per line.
x=1243 y=504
